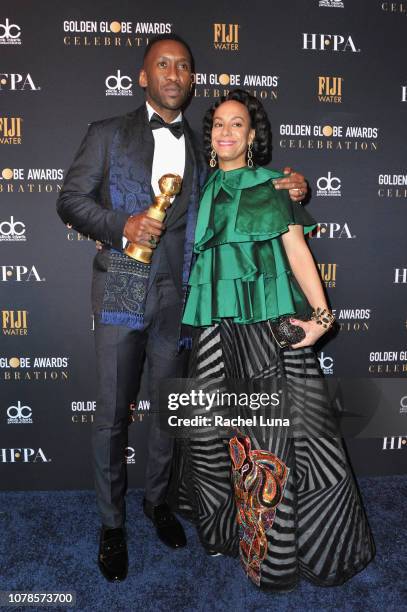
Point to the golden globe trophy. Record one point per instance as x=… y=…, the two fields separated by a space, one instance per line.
x=170 y=185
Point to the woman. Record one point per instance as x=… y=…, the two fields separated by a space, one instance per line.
x=283 y=498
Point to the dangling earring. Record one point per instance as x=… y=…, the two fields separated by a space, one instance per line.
x=250 y=155
x=212 y=161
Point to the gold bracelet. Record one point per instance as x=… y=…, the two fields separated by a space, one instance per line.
x=323 y=317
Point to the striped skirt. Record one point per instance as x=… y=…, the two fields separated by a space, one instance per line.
x=284 y=501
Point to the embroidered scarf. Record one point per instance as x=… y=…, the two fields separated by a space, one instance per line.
x=127 y=280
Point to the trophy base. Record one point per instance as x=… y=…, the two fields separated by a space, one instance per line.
x=139 y=253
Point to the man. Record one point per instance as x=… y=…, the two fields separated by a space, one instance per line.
x=109 y=186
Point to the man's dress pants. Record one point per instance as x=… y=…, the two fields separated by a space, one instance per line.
x=120 y=353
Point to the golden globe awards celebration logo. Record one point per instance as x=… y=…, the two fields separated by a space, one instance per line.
x=83 y=411
x=103 y=33
x=10 y=33
x=31 y=180
x=35 y=369
x=10 y=130
x=392 y=186
x=19 y=415
x=74 y=236
x=138 y=410
x=353 y=319
x=395 y=7
x=118 y=85
x=330 y=89
x=329 y=137
x=226 y=36
x=385 y=361
x=212 y=85
x=14 y=322
x=329 y=186
x=17 y=82
x=12 y=230
x=327 y=272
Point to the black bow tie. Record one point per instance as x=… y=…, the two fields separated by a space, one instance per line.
x=157 y=122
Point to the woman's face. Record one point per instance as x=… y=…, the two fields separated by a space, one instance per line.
x=231 y=134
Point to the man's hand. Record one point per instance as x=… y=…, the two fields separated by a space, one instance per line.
x=313 y=332
x=295 y=183
x=143 y=230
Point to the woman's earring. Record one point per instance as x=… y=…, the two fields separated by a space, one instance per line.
x=250 y=155
x=212 y=161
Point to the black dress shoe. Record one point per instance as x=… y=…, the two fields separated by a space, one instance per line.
x=113 y=559
x=167 y=526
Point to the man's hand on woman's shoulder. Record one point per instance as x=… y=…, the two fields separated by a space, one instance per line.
x=295 y=183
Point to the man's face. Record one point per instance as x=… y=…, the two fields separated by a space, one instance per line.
x=166 y=75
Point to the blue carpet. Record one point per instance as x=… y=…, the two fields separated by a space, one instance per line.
x=49 y=542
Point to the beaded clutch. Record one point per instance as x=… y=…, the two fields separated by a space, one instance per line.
x=285 y=333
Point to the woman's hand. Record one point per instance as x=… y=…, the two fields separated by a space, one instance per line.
x=313 y=332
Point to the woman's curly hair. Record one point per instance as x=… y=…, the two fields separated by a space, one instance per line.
x=258 y=119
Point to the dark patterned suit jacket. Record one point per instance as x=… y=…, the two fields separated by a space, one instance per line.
x=110 y=178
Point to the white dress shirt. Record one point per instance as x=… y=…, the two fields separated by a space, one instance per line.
x=169 y=154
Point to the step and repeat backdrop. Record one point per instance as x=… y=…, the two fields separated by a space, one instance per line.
x=331 y=76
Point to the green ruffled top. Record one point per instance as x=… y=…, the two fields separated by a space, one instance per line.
x=242 y=271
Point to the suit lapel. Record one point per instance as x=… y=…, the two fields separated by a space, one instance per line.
x=131 y=163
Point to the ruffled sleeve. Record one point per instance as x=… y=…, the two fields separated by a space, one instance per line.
x=265 y=212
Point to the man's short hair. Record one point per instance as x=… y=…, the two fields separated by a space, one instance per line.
x=161 y=37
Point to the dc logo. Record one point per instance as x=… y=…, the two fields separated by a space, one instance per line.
x=9 y=30
x=129 y=454
x=329 y=183
x=12 y=228
x=326 y=363
x=117 y=82
x=19 y=412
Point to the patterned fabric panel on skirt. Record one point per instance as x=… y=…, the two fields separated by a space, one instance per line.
x=284 y=499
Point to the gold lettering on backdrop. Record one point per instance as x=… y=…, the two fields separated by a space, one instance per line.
x=330 y=89
x=226 y=36
x=15 y=322
x=338 y=145
x=10 y=130
x=328 y=274
x=104 y=41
